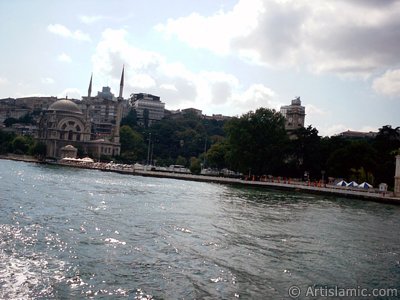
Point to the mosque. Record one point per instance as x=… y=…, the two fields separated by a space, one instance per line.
x=65 y=129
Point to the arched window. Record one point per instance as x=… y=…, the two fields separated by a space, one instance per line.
x=78 y=128
x=70 y=135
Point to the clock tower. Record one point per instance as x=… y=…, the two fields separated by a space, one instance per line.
x=294 y=114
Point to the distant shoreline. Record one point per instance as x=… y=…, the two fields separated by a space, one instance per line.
x=301 y=187
x=26 y=158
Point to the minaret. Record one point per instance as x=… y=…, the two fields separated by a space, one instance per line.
x=119 y=108
x=88 y=123
x=121 y=85
x=90 y=87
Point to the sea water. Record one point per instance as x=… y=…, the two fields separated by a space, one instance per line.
x=69 y=233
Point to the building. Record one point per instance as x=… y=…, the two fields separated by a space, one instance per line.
x=217 y=117
x=294 y=115
x=180 y=113
x=64 y=123
x=102 y=112
x=19 y=107
x=357 y=135
x=192 y=111
x=103 y=109
x=36 y=103
x=149 y=108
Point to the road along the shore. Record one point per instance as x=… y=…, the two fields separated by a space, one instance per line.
x=371 y=195
x=300 y=187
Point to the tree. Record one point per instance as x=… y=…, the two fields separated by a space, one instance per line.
x=305 y=152
x=133 y=147
x=345 y=162
x=130 y=119
x=181 y=161
x=6 y=139
x=21 y=144
x=195 y=165
x=184 y=137
x=256 y=140
x=386 y=142
x=216 y=155
x=38 y=149
x=9 y=122
x=26 y=119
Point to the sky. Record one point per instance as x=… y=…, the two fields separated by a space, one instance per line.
x=341 y=57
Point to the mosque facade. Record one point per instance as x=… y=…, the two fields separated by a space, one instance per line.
x=64 y=124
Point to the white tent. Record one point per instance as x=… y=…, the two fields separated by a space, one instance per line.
x=342 y=183
x=87 y=159
x=365 y=185
x=352 y=184
x=69 y=159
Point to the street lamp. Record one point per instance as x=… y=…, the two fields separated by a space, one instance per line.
x=205 y=151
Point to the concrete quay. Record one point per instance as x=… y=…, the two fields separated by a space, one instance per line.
x=332 y=190
x=300 y=186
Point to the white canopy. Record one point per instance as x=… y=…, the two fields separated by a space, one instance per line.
x=342 y=183
x=365 y=185
x=87 y=159
x=352 y=184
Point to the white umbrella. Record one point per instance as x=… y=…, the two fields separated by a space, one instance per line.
x=352 y=184
x=87 y=159
x=342 y=183
x=365 y=185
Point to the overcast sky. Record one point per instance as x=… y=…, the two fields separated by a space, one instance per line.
x=342 y=57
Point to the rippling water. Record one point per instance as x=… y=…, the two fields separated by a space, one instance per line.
x=72 y=233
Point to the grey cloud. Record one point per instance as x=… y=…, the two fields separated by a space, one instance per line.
x=289 y=34
x=371 y=3
x=185 y=91
x=278 y=34
x=221 y=92
x=378 y=45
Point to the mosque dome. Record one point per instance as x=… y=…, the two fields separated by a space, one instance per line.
x=65 y=105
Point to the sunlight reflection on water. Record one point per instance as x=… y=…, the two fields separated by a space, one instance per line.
x=72 y=233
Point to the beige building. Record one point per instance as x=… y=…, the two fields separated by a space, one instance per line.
x=294 y=114
x=64 y=123
x=146 y=103
x=102 y=114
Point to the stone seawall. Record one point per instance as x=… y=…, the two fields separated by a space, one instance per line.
x=301 y=187
x=333 y=190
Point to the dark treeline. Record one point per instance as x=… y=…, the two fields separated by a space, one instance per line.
x=255 y=143
x=21 y=144
x=182 y=141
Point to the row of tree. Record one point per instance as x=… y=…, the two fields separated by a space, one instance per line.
x=21 y=144
x=257 y=143
x=182 y=141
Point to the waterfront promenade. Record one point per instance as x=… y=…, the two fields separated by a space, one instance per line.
x=294 y=186
x=305 y=187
